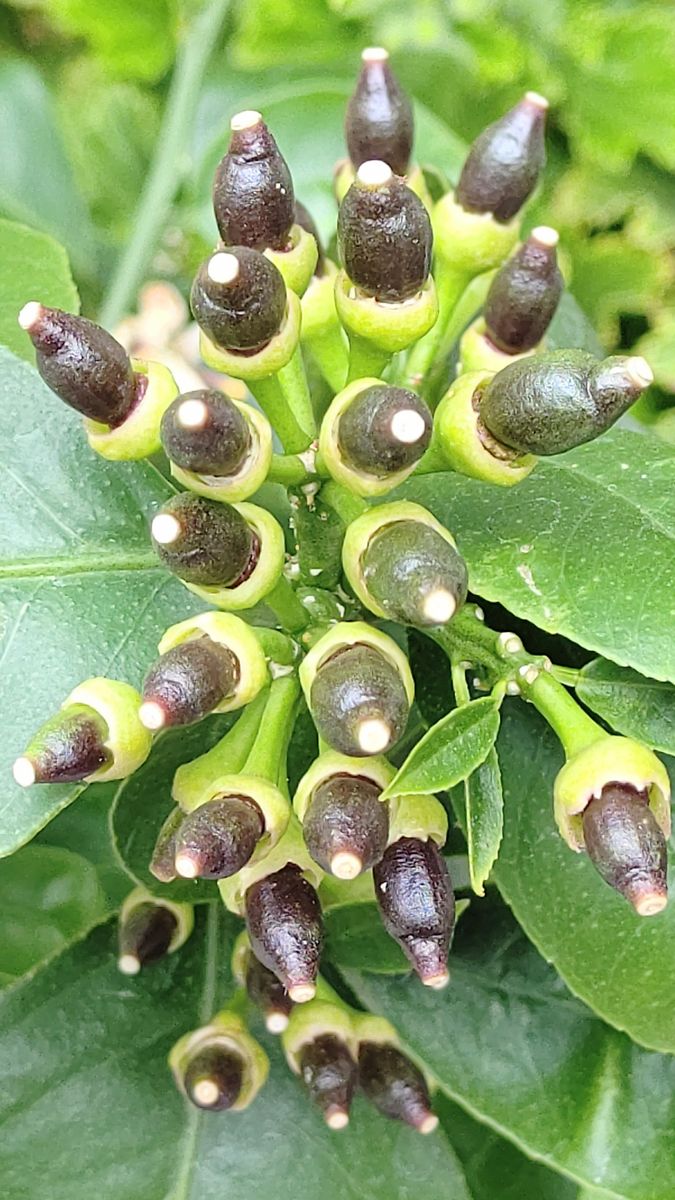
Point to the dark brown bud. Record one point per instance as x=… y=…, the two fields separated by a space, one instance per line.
x=417 y=905
x=68 y=748
x=385 y=429
x=145 y=935
x=82 y=363
x=414 y=573
x=203 y=541
x=217 y=839
x=213 y=1078
x=396 y=1087
x=268 y=994
x=359 y=702
x=379 y=120
x=187 y=683
x=384 y=235
x=627 y=846
x=163 y=861
x=204 y=431
x=283 y=919
x=524 y=294
x=305 y=220
x=253 y=191
x=239 y=299
x=330 y=1075
x=346 y=825
x=505 y=161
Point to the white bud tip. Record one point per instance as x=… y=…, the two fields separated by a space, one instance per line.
x=345 y=865
x=429 y=1123
x=374 y=173
x=374 y=735
x=639 y=371
x=165 y=529
x=536 y=98
x=301 y=993
x=338 y=1119
x=545 y=236
x=129 y=964
x=437 y=982
x=276 y=1022
x=439 y=606
x=30 y=315
x=246 y=119
x=23 y=772
x=152 y=715
x=374 y=54
x=186 y=866
x=192 y=414
x=407 y=426
x=650 y=903
x=223 y=268
x=206 y=1092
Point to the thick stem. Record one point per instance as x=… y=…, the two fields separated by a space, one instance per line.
x=166 y=174
x=572 y=725
x=276 y=646
x=289 y=470
x=365 y=359
x=329 y=352
x=295 y=390
x=268 y=752
x=290 y=613
x=274 y=402
x=450 y=284
x=228 y=756
x=347 y=505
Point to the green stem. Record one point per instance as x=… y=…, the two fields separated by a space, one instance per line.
x=346 y=504
x=450 y=284
x=227 y=757
x=468 y=639
x=169 y=165
x=290 y=613
x=274 y=403
x=329 y=351
x=295 y=390
x=276 y=646
x=459 y=685
x=365 y=359
x=269 y=748
x=570 y=676
x=289 y=470
x=573 y=726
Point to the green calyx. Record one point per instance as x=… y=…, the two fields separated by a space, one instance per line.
x=266 y=572
x=267 y=361
x=315 y=1019
x=225 y=1030
x=249 y=476
x=471 y=242
x=464 y=446
x=138 y=436
x=239 y=638
x=290 y=849
x=297 y=263
x=478 y=353
x=330 y=763
x=387 y=327
x=356 y=479
x=130 y=960
x=421 y=817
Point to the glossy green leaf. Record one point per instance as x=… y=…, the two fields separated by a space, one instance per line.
x=355 y=935
x=507 y=1042
x=620 y=964
x=48 y=897
x=484 y=807
x=85 y=828
x=584 y=547
x=81 y=592
x=34 y=267
x=450 y=751
x=632 y=704
x=89 y=1107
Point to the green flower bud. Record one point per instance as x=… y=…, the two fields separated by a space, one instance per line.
x=262 y=986
x=283 y=920
x=95 y=737
x=387 y=326
x=239 y=299
x=417 y=905
x=379 y=121
x=524 y=294
x=253 y=196
x=204 y=542
x=389 y=1079
x=384 y=235
x=504 y=163
x=556 y=401
x=219 y=1066
x=462 y=439
x=218 y=838
x=149 y=929
x=627 y=847
x=321 y=1048
x=163 y=862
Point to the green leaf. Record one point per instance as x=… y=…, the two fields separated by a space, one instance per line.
x=508 y=1043
x=584 y=547
x=610 y=276
x=85 y=828
x=81 y=592
x=48 y=897
x=91 y=1107
x=450 y=751
x=484 y=807
x=632 y=704
x=34 y=267
x=620 y=964
x=658 y=347
x=133 y=41
x=571 y=327
x=355 y=935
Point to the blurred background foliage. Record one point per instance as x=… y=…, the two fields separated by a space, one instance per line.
x=83 y=86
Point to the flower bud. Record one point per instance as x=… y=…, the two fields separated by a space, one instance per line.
x=206 y=432
x=556 y=401
x=218 y=838
x=627 y=846
x=253 y=196
x=187 y=683
x=504 y=163
x=283 y=919
x=330 y=1075
x=417 y=905
x=268 y=994
x=379 y=119
x=384 y=235
x=385 y=429
x=213 y=1078
x=163 y=862
x=219 y=1066
x=359 y=702
x=149 y=929
x=239 y=299
x=82 y=364
x=346 y=825
x=524 y=294
x=204 y=542
x=394 y=1085
x=415 y=575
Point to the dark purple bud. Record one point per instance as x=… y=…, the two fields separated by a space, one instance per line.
x=524 y=294
x=385 y=429
x=504 y=163
x=396 y=1087
x=217 y=839
x=163 y=861
x=213 y=1078
x=417 y=905
x=239 y=299
x=330 y=1075
x=204 y=541
x=187 y=683
x=253 y=191
x=283 y=919
x=384 y=235
x=68 y=748
x=268 y=994
x=359 y=702
x=379 y=120
x=346 y=825
x=627 y=846
x=145 y=935
x=205 y=432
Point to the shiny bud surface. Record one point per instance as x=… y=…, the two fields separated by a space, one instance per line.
x=268 y=994
x=395 y=1086
x=384 y=429
x=204 y=431
x=204 y=542
x=504 y=163
x=217 y=839
x=330 y=1075
x=415 y=574
x=253 y=197
x=524 y=294
x=358 y=701
x=239 y=299
x=384 y=235
x=187 y=683
x=283 y=919
x=163 y=862
x=379 y=120
x=346 y=825
x=627 y=847
x=68 y=748
x=213 y=1078
x=145 y=936
x=417 y=905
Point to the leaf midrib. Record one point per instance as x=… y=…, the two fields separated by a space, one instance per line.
x=84 y=564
